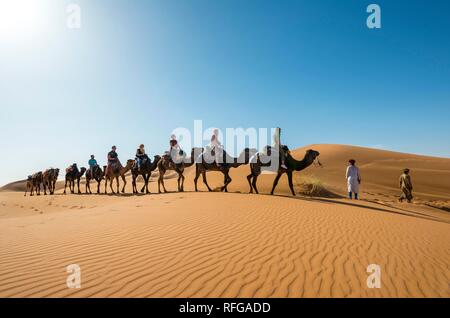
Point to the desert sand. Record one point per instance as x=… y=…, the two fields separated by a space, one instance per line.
x=189 y=244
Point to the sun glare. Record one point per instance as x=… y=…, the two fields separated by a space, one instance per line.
x=22 y=19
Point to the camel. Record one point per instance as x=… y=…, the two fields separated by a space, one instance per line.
x=34 y=183
x=145 y=170
x=97 y=174
x=229 y=162
x=291 y=163
x=50 y=176
x=116 y=171
x=29 y=185
x=167 y=164
x=73 y=174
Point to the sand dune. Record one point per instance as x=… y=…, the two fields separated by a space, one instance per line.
x=235 y=244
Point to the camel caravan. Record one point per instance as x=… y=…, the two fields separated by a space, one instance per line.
x=275 y=158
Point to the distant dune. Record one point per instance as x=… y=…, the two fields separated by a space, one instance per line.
x=317 y=244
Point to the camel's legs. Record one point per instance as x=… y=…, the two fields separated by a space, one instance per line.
x=117 y=184
x=275 y=182
x=160 y=178
x=65 y=186
x=32 y=190
x=143 y=187
x=145 y=183
x=111 y=185
x=106 y=183
x=161 y=182
x=78 y=185
x=227 y=181
x=124 y=183
x=255 y=178
x=181 y=178
x=146 y=180
x=38 y=189
x=98 y=185
x=53 y=186
x=45 y=187
x=197 y=174
x=204 y=180
x=291 y=185
x=249 y=179
x=133 y=183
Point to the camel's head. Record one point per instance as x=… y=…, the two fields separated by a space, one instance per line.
x=82 y=171
x=130 y=163
x=56 y=172
x=312 y=154
x=246 y=154
x=156 y=158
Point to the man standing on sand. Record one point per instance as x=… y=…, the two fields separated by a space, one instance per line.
x=406 y=186
x=353 y=179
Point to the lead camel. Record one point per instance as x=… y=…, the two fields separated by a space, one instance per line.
x=291 y=164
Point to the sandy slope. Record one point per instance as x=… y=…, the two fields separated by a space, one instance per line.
x=235 y=244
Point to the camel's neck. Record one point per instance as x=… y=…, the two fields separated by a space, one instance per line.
x=154 y=164
x=125 y=169
x=243 y=159
x=299 y=165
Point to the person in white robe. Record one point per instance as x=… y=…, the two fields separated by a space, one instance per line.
x=353 y=178
x=175 y=152
x=217 y=147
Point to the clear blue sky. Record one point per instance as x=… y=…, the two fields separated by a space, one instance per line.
x=138 y=69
